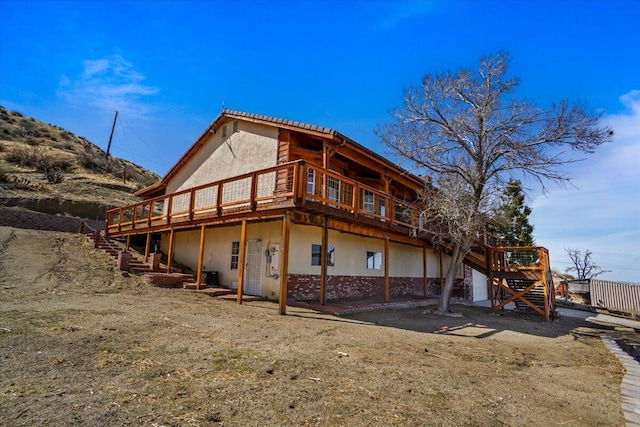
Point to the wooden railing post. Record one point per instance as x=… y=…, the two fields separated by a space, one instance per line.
x=151 y=204
x=134 y=215
x=302 y=177
x=192 y=203
x=169 y=208
x=254 y=191
x=219 y=199
x=354 y=198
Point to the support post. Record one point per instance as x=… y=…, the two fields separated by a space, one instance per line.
x=170 y=252
x=386 y=269
x=147 y=247
x=543 y=278
x=424 y=272
x=241 y=260
x=128 y=243
x=323 y=260
x=284 y=259
x=200 y=258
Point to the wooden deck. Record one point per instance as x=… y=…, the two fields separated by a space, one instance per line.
x=309 y=194
x=263 y=194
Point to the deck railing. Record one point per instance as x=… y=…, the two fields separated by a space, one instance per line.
x=530 y=263
x=290 y=184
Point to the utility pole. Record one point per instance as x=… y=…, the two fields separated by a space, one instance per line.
x=111 y=136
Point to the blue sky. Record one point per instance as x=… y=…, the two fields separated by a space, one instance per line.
x=168 y=66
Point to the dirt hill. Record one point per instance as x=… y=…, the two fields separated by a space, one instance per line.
x=48 y=169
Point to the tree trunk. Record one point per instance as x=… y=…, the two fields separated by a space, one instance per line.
x=449 y=281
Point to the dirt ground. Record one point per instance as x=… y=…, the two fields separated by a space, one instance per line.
x=80 y=344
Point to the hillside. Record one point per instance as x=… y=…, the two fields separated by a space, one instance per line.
x=48 y=169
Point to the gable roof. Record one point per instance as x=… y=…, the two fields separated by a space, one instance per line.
x=315 y=130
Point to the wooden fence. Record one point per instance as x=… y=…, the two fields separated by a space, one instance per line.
x=617 y=296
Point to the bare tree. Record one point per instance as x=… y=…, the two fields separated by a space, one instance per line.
x=583 y=265
x=469 y=133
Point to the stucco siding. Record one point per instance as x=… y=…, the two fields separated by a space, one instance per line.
x=251 y=148
x=405 y=260
x=480 y=288
x=351 y=255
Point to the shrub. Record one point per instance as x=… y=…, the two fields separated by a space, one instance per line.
x=53 y=175
x=3 y=175
x=23 y=157
x=90 y=162
x=46 y=162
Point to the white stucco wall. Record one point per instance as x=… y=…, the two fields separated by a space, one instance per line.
x=350 y=253
x=217 y=251
x=251 y=148
x=480 y=289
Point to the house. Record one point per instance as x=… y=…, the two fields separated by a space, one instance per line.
x=292 y=211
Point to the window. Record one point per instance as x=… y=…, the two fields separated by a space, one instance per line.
x=367 y=201
x=311 y=182
x=235 y=255
x=235 y=127
x=316 y=254
x=224 y=131
x=374 y=260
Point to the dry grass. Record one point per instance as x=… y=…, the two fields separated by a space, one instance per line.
x=83 y=345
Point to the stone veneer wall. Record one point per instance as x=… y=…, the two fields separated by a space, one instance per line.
x=306 y=287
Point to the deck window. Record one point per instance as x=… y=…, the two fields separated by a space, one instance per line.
x=333 y=188
x=316 y=253
x=311 y=182
x=374 y=260
x=368 y=201
x=235 y=255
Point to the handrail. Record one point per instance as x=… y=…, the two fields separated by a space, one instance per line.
x=252 y=190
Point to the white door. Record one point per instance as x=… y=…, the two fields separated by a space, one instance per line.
x=253 y=268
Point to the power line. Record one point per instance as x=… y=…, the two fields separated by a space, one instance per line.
x=46 y=98
x=144 y=142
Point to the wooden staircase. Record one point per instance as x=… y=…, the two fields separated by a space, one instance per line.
x=521 y=275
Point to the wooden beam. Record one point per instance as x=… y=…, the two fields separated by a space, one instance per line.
x=147 y=247
x=241 y=260
x=386 y=270
x=170 y=252
x=325 y=165
x=200 y=258
x=424 y=271
x=128 y=243
x=284 y=269
x=323 y=260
